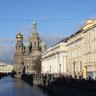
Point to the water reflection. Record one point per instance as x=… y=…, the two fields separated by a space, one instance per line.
x=16 y=87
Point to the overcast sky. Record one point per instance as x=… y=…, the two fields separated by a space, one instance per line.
x=55 y=19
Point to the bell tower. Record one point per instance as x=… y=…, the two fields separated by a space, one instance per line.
x=35 y=39
x=18 y=54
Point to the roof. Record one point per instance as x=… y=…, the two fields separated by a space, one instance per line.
x=19 y=35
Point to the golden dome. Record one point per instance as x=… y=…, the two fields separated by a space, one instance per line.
x=19 y=35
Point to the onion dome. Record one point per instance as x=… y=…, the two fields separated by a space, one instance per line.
x=19 y=35
x=34 y=33
x=43 y=44
x=34 y=22
x=27 y=44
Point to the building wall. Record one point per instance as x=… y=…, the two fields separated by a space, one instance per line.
x=6 y=68
x=75 y=55
x=54 y=59
x=90 y=50
x=81 y=56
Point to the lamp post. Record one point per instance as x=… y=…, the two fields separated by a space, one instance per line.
x=60 y=68
x=74 y=68
x=85 y=71
x=80 y=66
x=50 y=69
x=63 y=64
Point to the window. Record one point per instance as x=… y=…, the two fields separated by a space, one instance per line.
x=93 y=46
x=31 y=44
x=34 y=44
x=38 y=44
x=93 y=34
x=88 y=35
x=80 y=66
x=89 y=58
x=88 y=47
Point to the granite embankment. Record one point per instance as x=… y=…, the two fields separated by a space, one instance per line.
x=65 y=86
x=27 y=78
x=3 y=75
x=72 y=87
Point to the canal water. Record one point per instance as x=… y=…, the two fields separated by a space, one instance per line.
x=16 y=87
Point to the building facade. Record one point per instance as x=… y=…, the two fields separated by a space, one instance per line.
x=27 y=56
x=54 y=59
x=75 y=54
x=81 y=54
x=6 y=68
x=89 y=32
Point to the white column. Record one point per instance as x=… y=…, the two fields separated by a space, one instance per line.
x=57 y=62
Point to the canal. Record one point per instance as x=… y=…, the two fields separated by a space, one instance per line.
x=16 y=87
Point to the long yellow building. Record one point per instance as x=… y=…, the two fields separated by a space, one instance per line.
x=81 y=55
x=75 y=54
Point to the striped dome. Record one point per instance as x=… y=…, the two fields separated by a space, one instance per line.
x=27 y=43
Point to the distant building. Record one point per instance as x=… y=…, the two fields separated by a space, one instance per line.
x=27 y=55
x=6 y=68
x=54 y=59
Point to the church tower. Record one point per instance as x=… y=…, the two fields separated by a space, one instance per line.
x=18 y=54
x=26 y=59
x=27 y=56
x=35 y=55
x=35 y=39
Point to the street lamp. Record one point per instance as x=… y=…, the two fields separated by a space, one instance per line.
x=50 y=69
x=74 y=68
x=60 y=68
x=80 y=66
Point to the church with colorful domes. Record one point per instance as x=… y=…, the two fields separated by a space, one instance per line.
x=27 y=55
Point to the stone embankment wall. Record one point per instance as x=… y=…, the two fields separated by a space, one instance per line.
x=42 y=80
x=27 y=78
x=72 y=87
x=62 y=86
x=4 y=74
x=38 y=79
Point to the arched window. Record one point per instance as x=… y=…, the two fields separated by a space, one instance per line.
x=38 y=43
x=31 y=44
x=34 y=44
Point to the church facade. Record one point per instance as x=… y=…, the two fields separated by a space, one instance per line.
x=27 y=56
